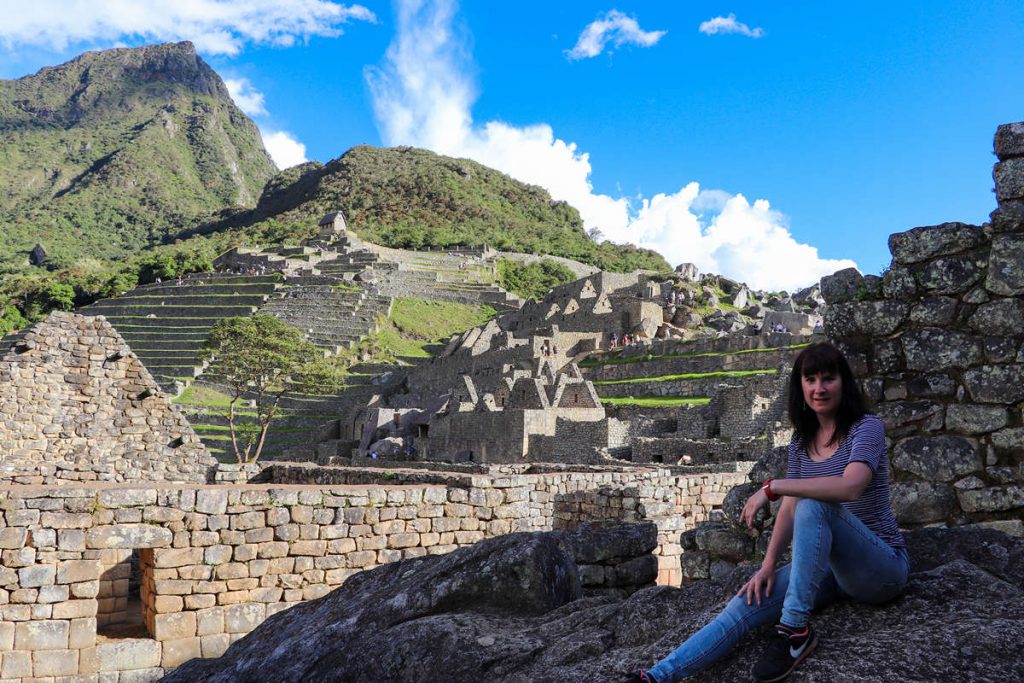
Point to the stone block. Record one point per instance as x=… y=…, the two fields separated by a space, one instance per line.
x=996 y=383
x=922 y=502
x=272 y=550
x=992 y=499
x=928 y=242
x=12 y=538
x=16 y=665
x=841 y=286
x=969 y=418
x=936 y=349
x=82 y=633
x=6 y=636
x=117 y=498
x=217 y=554
x=1000 y=317
x=125 y=654
x=42 y=635
x=244 y=618
x=937 y=458
x=174 y=587
x=177 y=557
x=37 y=575
x=128 y=536
x=75 y=609
x=165 y=604
x=66 y=520
x=174 y=626
x=210 y=621
x=86 y=589
x=71 y=540
x=308 y=548
x=178 y=651
x=1009 y=177
x=952 y=274
x=232 y=570
x=214 y=645
x=51 y=594
x=196 y=602
x=78 y=571
x=141 y=675
x=1009 y=140
x=1006 y=265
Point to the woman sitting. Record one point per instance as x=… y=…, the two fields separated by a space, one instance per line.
x=835 y=510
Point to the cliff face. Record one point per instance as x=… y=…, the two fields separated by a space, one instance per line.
x=114 y=150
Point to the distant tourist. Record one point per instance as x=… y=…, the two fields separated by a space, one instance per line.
x=835 y=508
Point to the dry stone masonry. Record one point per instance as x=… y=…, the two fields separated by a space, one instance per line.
x=212 y=562
x=78 y=405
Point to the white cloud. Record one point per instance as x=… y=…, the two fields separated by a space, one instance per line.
x=729 y=25
x=215 y=26
x=423 y=97
x=284 y=148
x=249 y=99
x=615 y=28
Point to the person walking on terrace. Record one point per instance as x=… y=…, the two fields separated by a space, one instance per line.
x=836 y=511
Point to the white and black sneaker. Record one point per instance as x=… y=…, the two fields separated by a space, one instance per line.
x=791 y=647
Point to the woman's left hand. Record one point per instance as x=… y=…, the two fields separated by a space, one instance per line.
x=754 y=503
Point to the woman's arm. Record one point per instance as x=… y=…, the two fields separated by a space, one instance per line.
x=763 y=579
x=842 y=489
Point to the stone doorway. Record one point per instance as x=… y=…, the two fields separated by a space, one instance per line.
x=120 y=611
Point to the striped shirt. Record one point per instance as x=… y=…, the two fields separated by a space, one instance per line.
x=865 y=443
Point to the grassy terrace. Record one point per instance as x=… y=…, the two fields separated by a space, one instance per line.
x=691 y=375
x=655 y=401
x=616 y=357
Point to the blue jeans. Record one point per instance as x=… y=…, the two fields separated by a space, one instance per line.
x=834 y=555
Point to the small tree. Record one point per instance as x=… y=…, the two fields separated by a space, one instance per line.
x=262 y=359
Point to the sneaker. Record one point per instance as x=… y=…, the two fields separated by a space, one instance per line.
x=640 y=677
x=784 y=654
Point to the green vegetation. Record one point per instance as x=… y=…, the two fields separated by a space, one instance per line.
x=415 y=325
x=532 y=280
x=412 y=198
x=655 y=401
x=689 y=375
x=617 y=358
x=203 y=396
x=437 y=320
x=263 y=358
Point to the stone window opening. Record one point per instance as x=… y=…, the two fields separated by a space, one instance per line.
x=122 y=593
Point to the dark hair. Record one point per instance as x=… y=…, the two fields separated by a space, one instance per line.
x=823 y=357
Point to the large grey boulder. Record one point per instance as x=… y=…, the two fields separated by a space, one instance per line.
x=503 y=610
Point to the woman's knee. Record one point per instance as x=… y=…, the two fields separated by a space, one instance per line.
x=808 y=508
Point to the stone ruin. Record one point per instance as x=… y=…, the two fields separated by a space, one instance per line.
x=937 y=343
x=78 y=405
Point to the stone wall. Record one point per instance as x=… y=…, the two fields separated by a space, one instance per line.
x=212 y=562
x=939 y=343
x=78 y=405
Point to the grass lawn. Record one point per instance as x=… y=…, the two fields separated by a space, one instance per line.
x=691 y=375
x=655 y=401
x=616 y=357
x=436 y=320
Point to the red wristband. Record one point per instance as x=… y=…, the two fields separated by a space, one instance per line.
x=767 y=488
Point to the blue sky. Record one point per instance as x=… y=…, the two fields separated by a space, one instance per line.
x=772 y=142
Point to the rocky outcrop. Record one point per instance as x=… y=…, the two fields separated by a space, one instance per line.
x=508 y=609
